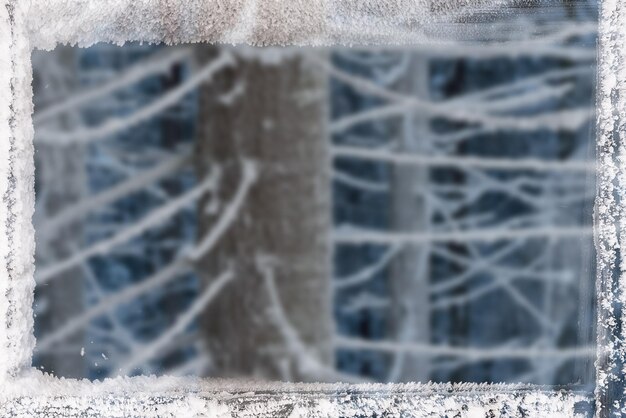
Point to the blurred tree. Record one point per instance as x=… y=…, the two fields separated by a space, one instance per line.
x=61 y=300
x=409 y=319
x=269 y=107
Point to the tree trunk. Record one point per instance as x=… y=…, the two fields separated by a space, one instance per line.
x=410 y=315
x=61 y=173
x=274 y=113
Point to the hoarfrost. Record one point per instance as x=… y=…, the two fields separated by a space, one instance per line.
x=171 y=397
x=46 y=23
x=610 y=210
x=303 y=22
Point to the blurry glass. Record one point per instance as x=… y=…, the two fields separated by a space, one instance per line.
x=383 y=213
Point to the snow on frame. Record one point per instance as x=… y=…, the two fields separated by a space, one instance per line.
x=45 y=23
x=175 y=397
x=256 y=22
x=610 y=211
x=17 y=242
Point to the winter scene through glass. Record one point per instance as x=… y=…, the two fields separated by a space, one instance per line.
x=346 y=214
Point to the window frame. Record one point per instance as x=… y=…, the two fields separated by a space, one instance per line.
x=24 y=391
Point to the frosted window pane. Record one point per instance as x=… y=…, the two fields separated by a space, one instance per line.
x=188 y=222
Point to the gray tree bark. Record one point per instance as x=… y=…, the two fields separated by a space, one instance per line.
x=274 y=113
x=410 y=314
x=61 y=173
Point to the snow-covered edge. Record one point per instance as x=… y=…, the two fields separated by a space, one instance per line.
x=610 y=210
x=25 y=392
x=43 y=395
x=17 y=193
x=267 y=22
x=293 y=405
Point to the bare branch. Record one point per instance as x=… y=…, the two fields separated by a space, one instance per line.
x=115 y=125
x=75 y=212
x=147 y=352
x=475 y=354
x=365 y=274
x=502 y=164
x=249 y=175
x=159 y=63
x=157 y=217
x=351 y=235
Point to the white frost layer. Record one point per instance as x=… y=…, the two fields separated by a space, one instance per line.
x=42 y=395
x=257 y=22
x=610 y=210
x=17 y=195
x=311 y=22
x=5 y=145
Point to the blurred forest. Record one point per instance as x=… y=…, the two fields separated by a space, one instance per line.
x=349 y=214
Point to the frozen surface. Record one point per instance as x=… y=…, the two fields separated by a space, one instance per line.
x=311 y=22
x=16 y=191
x=167 y=397
x=610 y=209
x=302 y=22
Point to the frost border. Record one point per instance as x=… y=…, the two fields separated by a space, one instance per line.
x=24 y=391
